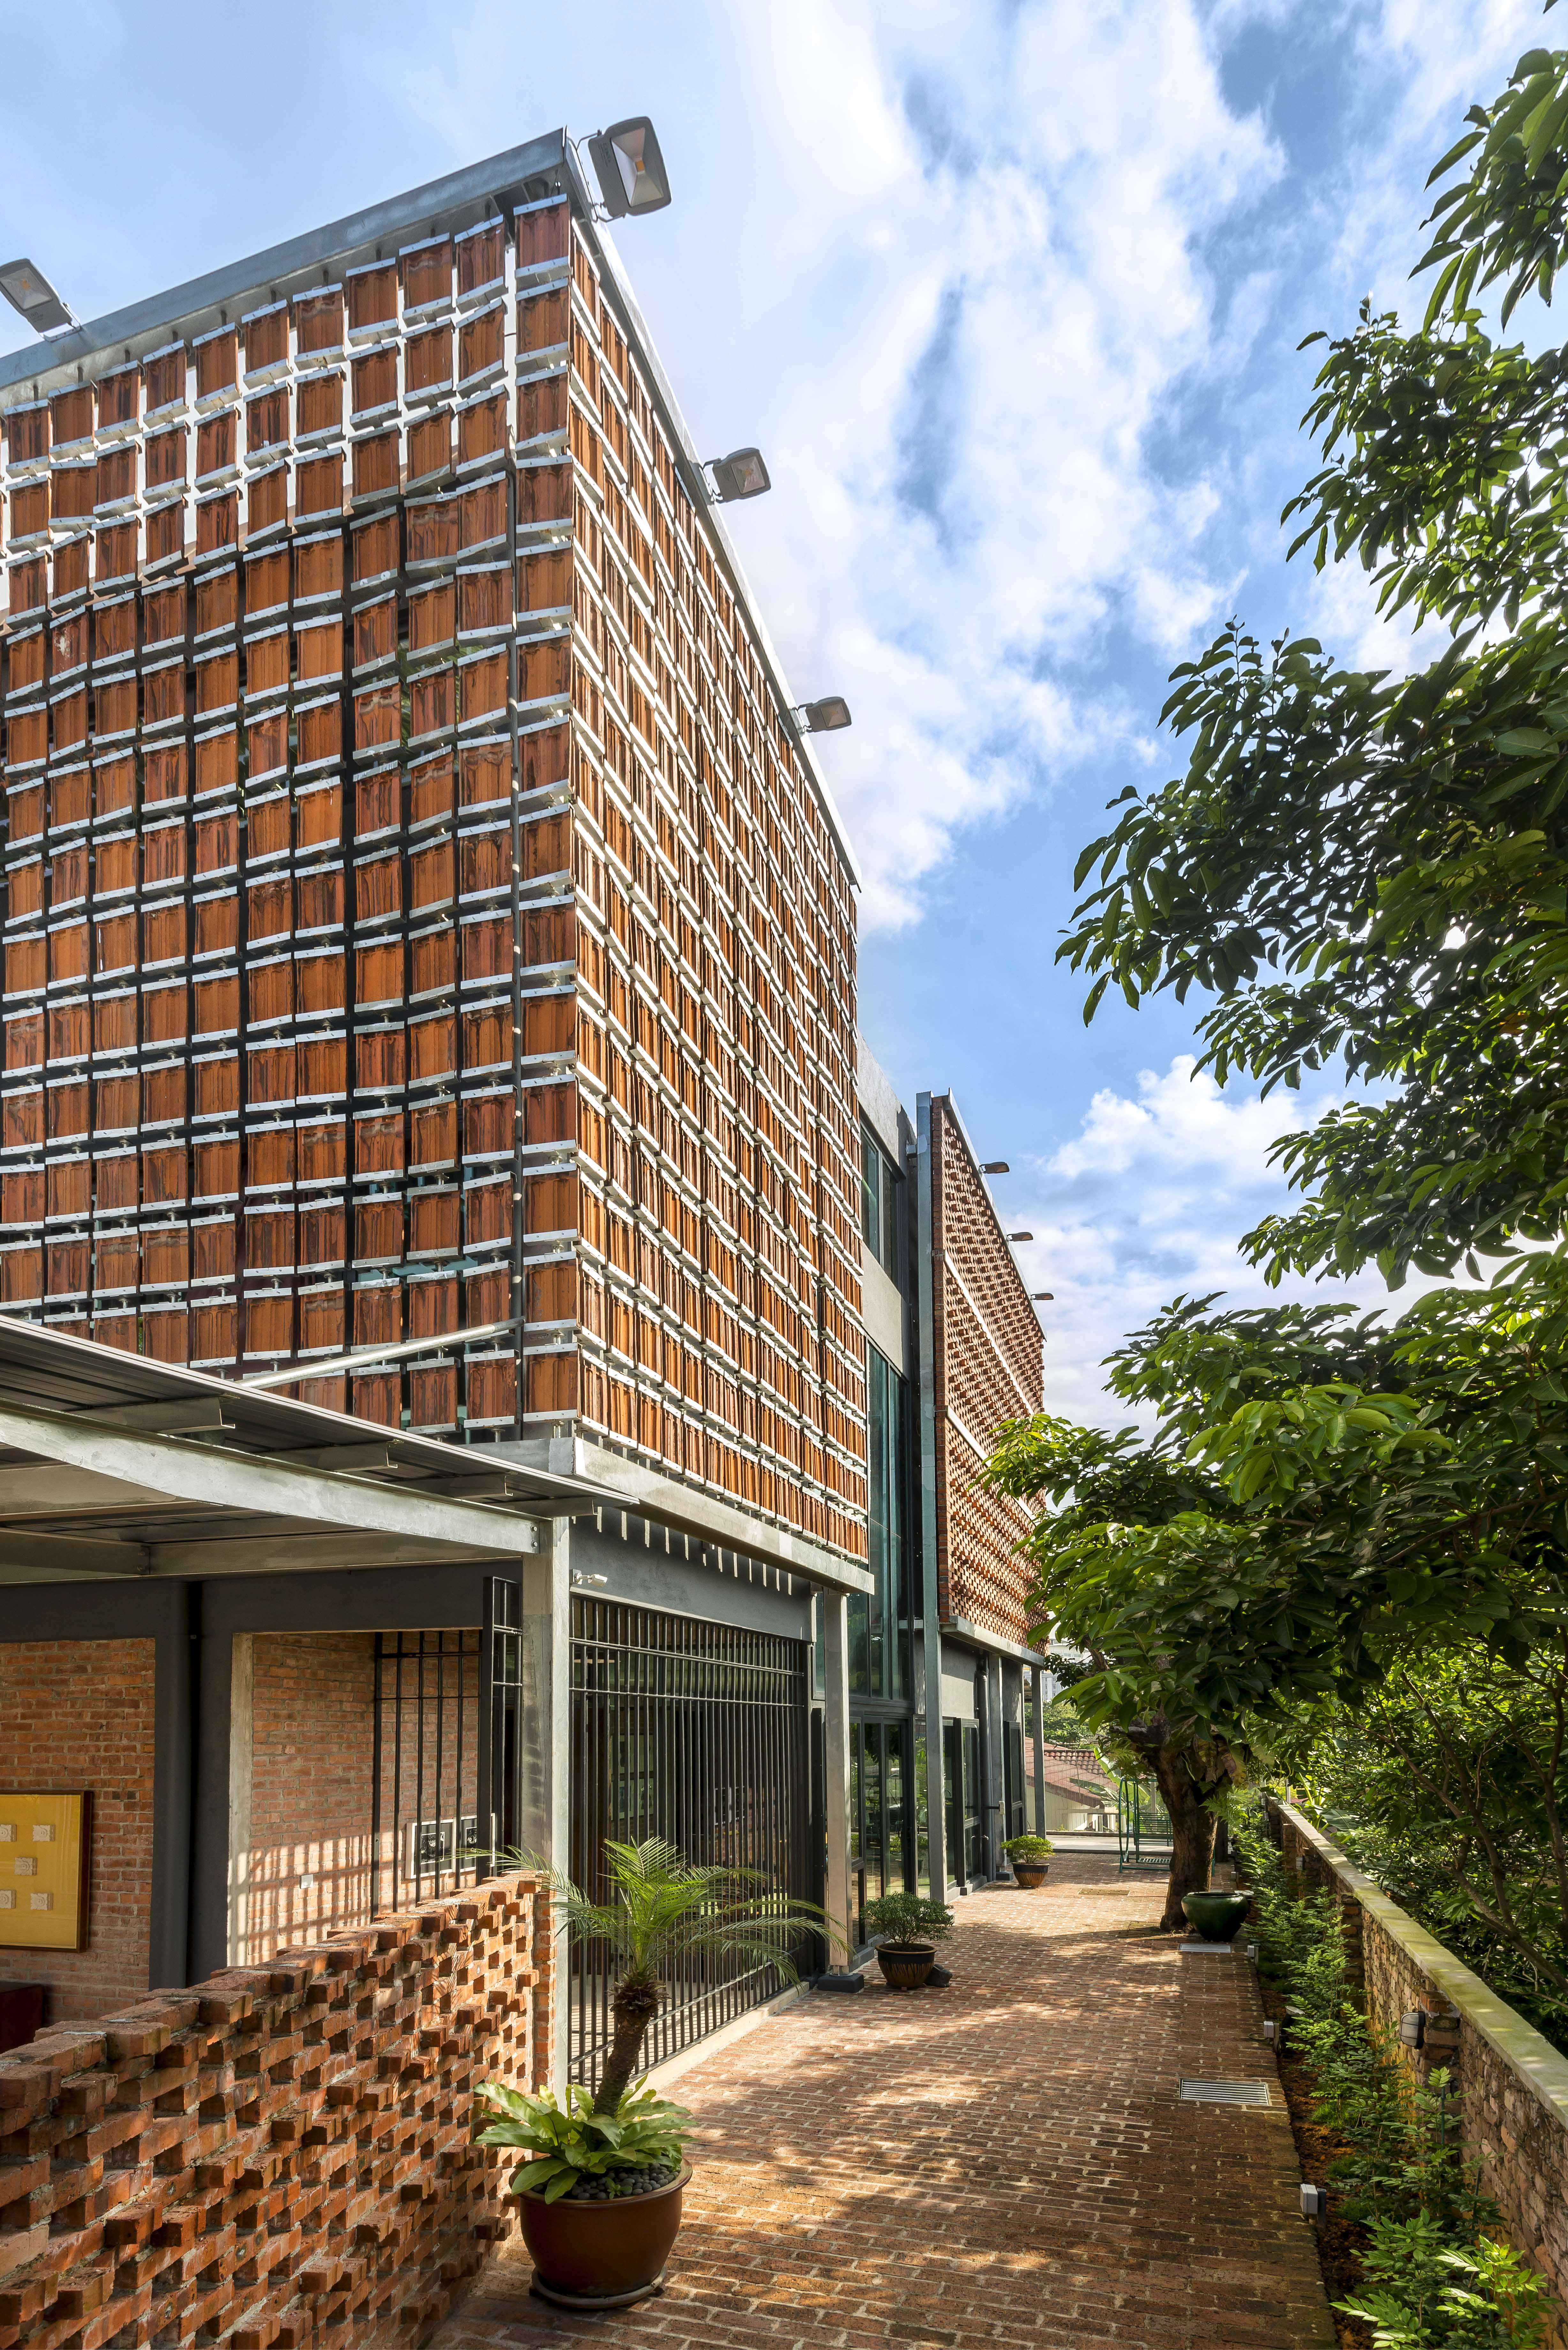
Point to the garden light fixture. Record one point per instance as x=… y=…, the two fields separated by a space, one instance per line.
x=631 y=175
x=26 y=289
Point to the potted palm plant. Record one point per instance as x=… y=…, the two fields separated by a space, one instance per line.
x=1031 y=1858
x=599 y=2189
x=907 y=1928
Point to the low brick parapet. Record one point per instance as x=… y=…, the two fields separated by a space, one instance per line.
x=1515 y=2106
x=280 y=2155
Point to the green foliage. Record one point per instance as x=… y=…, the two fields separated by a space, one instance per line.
x=1029 y=1849
x=664 y=1907
x=567 y=2142
x=906 y=1920
x=1449 y=1783
x=1424 y=2291
x=1434 y=2274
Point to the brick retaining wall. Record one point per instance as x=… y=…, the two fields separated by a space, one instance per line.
x=278 y=2156
x=1514 y=2083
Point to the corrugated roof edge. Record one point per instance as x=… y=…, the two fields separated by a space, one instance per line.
x=50 y=362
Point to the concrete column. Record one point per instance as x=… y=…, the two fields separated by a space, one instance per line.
x=1039 y=1745
x=241 y=1692
x=173 y=1776
x=545 y=1805
x=995 y=1819
x=835 y=1771
x=936 y=1788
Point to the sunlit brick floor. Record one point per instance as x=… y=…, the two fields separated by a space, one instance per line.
x=1004 y=2162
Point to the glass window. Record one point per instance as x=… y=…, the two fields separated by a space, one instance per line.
x=876 y=1646
x=879 y=1202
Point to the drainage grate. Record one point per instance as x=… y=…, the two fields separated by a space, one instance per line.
x=1225 y=2093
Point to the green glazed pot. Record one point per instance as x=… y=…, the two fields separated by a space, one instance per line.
x=1216 y=1915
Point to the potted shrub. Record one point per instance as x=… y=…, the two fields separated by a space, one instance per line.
x=908 y=1928
x=1031 y=1858
x=600 y=2192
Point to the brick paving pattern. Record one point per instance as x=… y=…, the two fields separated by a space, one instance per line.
x=1005 y=2162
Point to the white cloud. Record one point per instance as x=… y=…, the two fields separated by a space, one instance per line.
x=1144 y=1203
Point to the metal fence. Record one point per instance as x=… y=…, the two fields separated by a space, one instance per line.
x=447 y=1754
x=697 y=1733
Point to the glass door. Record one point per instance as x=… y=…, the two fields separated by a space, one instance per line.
x=878 y=1803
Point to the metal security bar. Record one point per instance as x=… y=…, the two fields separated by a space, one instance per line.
x=698 y=1734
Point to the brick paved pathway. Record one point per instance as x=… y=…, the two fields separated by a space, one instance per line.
x=1005 y=2162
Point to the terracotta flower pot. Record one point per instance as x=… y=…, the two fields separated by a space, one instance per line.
x=905 y=1965
x=1031 y=1874
x=1216 y=1915
x=601 y=2255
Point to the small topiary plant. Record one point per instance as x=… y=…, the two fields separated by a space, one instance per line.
x=908 y=1922
x=1030 y=1849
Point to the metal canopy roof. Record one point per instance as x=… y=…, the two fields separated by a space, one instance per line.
x=113 y=1465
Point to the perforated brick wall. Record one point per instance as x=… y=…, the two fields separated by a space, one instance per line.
x=988 y=1370
x=279 y=2155
x=79 y=1713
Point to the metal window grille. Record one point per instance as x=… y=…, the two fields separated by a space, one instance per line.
x=697 y=1733
x=447 y=1754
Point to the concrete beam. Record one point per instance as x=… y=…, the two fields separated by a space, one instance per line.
x=180 y=1468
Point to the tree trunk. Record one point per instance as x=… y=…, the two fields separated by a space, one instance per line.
x=1192 y=1833
x=634 y=2005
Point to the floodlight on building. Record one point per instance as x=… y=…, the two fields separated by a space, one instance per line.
x=1043 y=1296
x=26 y=289
x=996 y=1167
x=631 y=175
x=741 y=474
x=824 y=717
x=1020 y=1236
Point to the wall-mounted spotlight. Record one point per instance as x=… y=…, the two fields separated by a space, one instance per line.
x=1020 y=1236
x=996 y=1167
x=26 y=289
x=1043 y=1296
x=631 y=175
x=741 y=474
x=822 y=717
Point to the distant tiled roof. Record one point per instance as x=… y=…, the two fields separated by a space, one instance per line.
x=1068 y=1767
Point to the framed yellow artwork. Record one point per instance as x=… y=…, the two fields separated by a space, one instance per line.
x=44 y=1842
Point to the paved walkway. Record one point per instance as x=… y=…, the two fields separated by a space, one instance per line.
x=1006 y=2162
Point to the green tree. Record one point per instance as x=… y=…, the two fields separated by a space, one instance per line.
x=663 y=1908
x=1100 y=1493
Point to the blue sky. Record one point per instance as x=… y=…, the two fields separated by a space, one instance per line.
x=1009 y=295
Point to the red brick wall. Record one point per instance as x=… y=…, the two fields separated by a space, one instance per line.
x=78 y=1713
x=281 y=2155
x=312 y=1763
x=987 y=1370
x=312 y=1732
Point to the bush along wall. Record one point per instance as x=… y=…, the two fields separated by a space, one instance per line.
x=1435 y=2267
